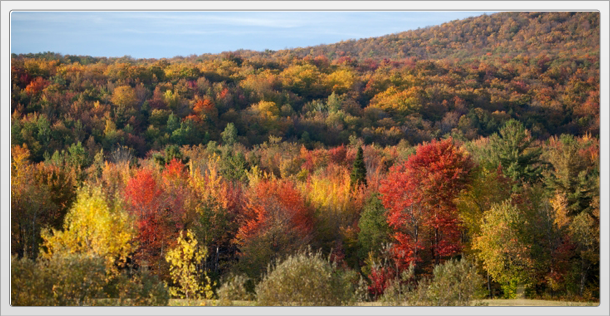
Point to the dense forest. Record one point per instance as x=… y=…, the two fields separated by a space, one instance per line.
x=429 y=167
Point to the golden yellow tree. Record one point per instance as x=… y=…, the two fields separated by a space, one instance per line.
x=124 y=96
x=183 y=260
x=340 y=81
x=93 y=227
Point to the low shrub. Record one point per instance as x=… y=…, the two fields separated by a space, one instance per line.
x=81 y=280
x=235 y=289
x=306 y=279
x=71 y=280
x=454 y=283
x=141 y=289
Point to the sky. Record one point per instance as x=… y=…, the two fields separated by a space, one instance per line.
x=169 y=34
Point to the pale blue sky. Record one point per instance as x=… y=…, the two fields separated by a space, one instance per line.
x=169 y=34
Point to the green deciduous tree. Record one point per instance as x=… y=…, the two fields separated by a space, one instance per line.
x=229 y=135
x=455 y=283
x=503 y=246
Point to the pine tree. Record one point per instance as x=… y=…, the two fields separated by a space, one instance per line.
x=358 y=175
x=512 y=149
x=374 y=229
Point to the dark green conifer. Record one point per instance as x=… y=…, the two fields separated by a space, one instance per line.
x=358 y=175
x=513 y=149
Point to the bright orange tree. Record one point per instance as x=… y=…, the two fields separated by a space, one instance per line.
x=287 y=197
x=419 y=197
x=275 y=223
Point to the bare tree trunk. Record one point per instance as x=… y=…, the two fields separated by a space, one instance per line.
x=33 y=236
x=436 y=243
x=583 y=275
x=491 y=294
x=216 y=265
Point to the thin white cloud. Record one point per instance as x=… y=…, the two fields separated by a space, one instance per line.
x=207 y=19
x=181 y=33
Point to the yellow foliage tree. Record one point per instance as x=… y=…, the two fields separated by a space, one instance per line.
x=124 y=96
x=93 y=227
x=398 y=102
x=503 y=247
x=183 y=260
x=336 y=201
x=267 y=109
x=172 y=99
x=301 y=78
x=340 y=81
x=333 y=193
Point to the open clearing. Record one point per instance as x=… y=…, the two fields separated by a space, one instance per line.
x=526 y=302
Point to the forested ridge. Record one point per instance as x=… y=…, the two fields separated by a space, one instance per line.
x=464 y=154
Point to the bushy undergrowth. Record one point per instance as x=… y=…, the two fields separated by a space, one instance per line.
x=72 y=280
x=454 y=283
x=140 y=289
x=236 y=288
x=80 y=280
x=306 y=279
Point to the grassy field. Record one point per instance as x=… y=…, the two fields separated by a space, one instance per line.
x=494 y=302
x=526 y=302
x=182 y=302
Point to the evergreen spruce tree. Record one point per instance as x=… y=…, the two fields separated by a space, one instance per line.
x=512 y=148
x=374 y=228
x=358 y=175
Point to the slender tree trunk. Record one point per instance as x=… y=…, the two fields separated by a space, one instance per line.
x=436 y=243
x=33 y=236
x=583 y=275
x=216 y=266
x=23 y=241
x=416 y=239
x=491 y=294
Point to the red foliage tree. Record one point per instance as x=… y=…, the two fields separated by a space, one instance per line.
x=174 y=171
x=143 y=193
x=379 y=280
x=204 y=109
x=338 y=155
x=158 y=214
x=419 y=197
x=275 y=222
x=291 y=204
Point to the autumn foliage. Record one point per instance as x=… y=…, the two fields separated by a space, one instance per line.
x=158 y=215
x=419 y=196
x=273 y=201
x=379 y=154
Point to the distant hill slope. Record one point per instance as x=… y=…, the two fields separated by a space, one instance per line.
x=500 y=34
x=463 y=79
x=506 y=33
